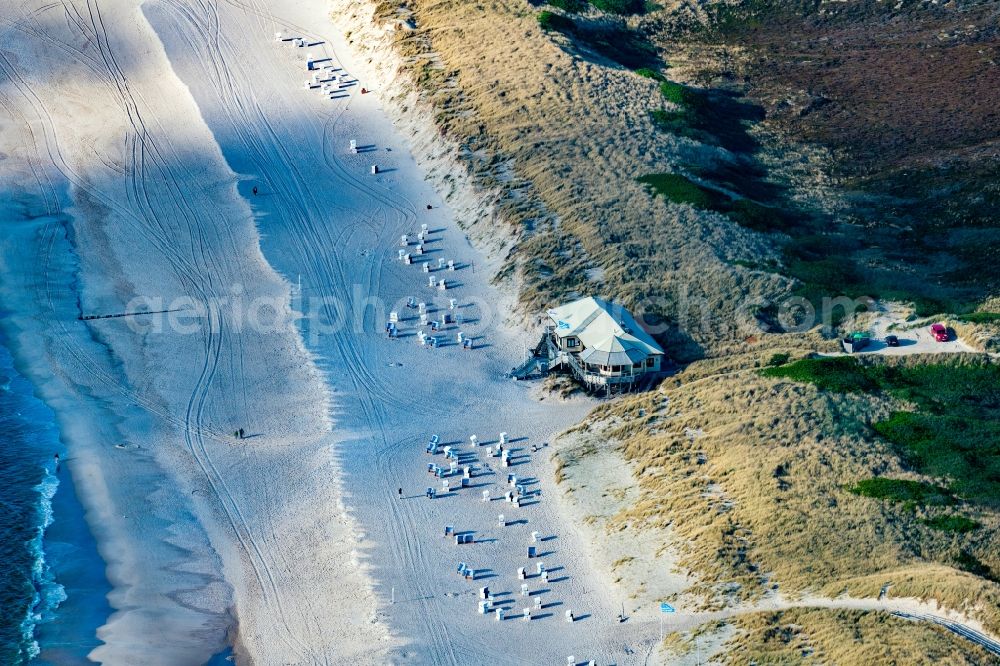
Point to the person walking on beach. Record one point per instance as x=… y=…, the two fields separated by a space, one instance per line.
x=255 y=190
x=400 y=492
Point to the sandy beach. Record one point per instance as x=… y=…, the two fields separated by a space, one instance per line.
x=133 y=139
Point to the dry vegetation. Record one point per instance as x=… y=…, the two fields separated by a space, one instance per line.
x=818 y=636
x=902 y=98
x=752 y=475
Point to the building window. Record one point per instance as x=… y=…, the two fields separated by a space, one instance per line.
x=650 y=361
x=572 y=342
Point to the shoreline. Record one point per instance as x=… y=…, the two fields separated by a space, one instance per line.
x=37 y=529
x=79 y=568
x=173 y=582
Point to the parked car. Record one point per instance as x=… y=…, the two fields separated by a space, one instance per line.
x=939 y=332
x=891 y=341
x=855 y=342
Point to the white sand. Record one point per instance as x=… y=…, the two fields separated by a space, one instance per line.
x=134 y=118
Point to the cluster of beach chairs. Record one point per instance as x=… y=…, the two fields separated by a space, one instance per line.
x=457 y=474
x=324 y=75
x=438 y=321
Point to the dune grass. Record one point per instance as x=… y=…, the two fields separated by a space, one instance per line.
x=757 y=500
x=840 y=636
x=955 y=432
x=538 y=118
x=763 y=496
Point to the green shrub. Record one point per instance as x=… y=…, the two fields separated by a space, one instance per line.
x=649 y=73
x=679 y=189
x=571 y=6
x=778 y=359
x=980 y=317
x=676 y=122
x=842 y=374
x=621 y=7
x=902 y=490
x=755 y=216
x=959 y=524
x=673 y=92
x=552 y=21
x=964 y=449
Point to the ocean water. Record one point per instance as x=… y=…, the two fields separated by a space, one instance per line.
x=36 y=502
x=29 y=593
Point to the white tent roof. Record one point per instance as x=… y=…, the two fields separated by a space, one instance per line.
x=615 y=351
x=609 y=334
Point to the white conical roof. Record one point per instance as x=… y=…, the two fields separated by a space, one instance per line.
x=606 y=328
x=615 y=350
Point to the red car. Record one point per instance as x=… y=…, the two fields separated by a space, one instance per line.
x=939 y=332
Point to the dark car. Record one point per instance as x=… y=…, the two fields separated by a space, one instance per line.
x=855 y=342
x=891 y=341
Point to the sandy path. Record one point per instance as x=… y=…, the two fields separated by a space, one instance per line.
x=904 y=607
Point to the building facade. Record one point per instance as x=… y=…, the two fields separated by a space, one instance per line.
x=601 y=344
